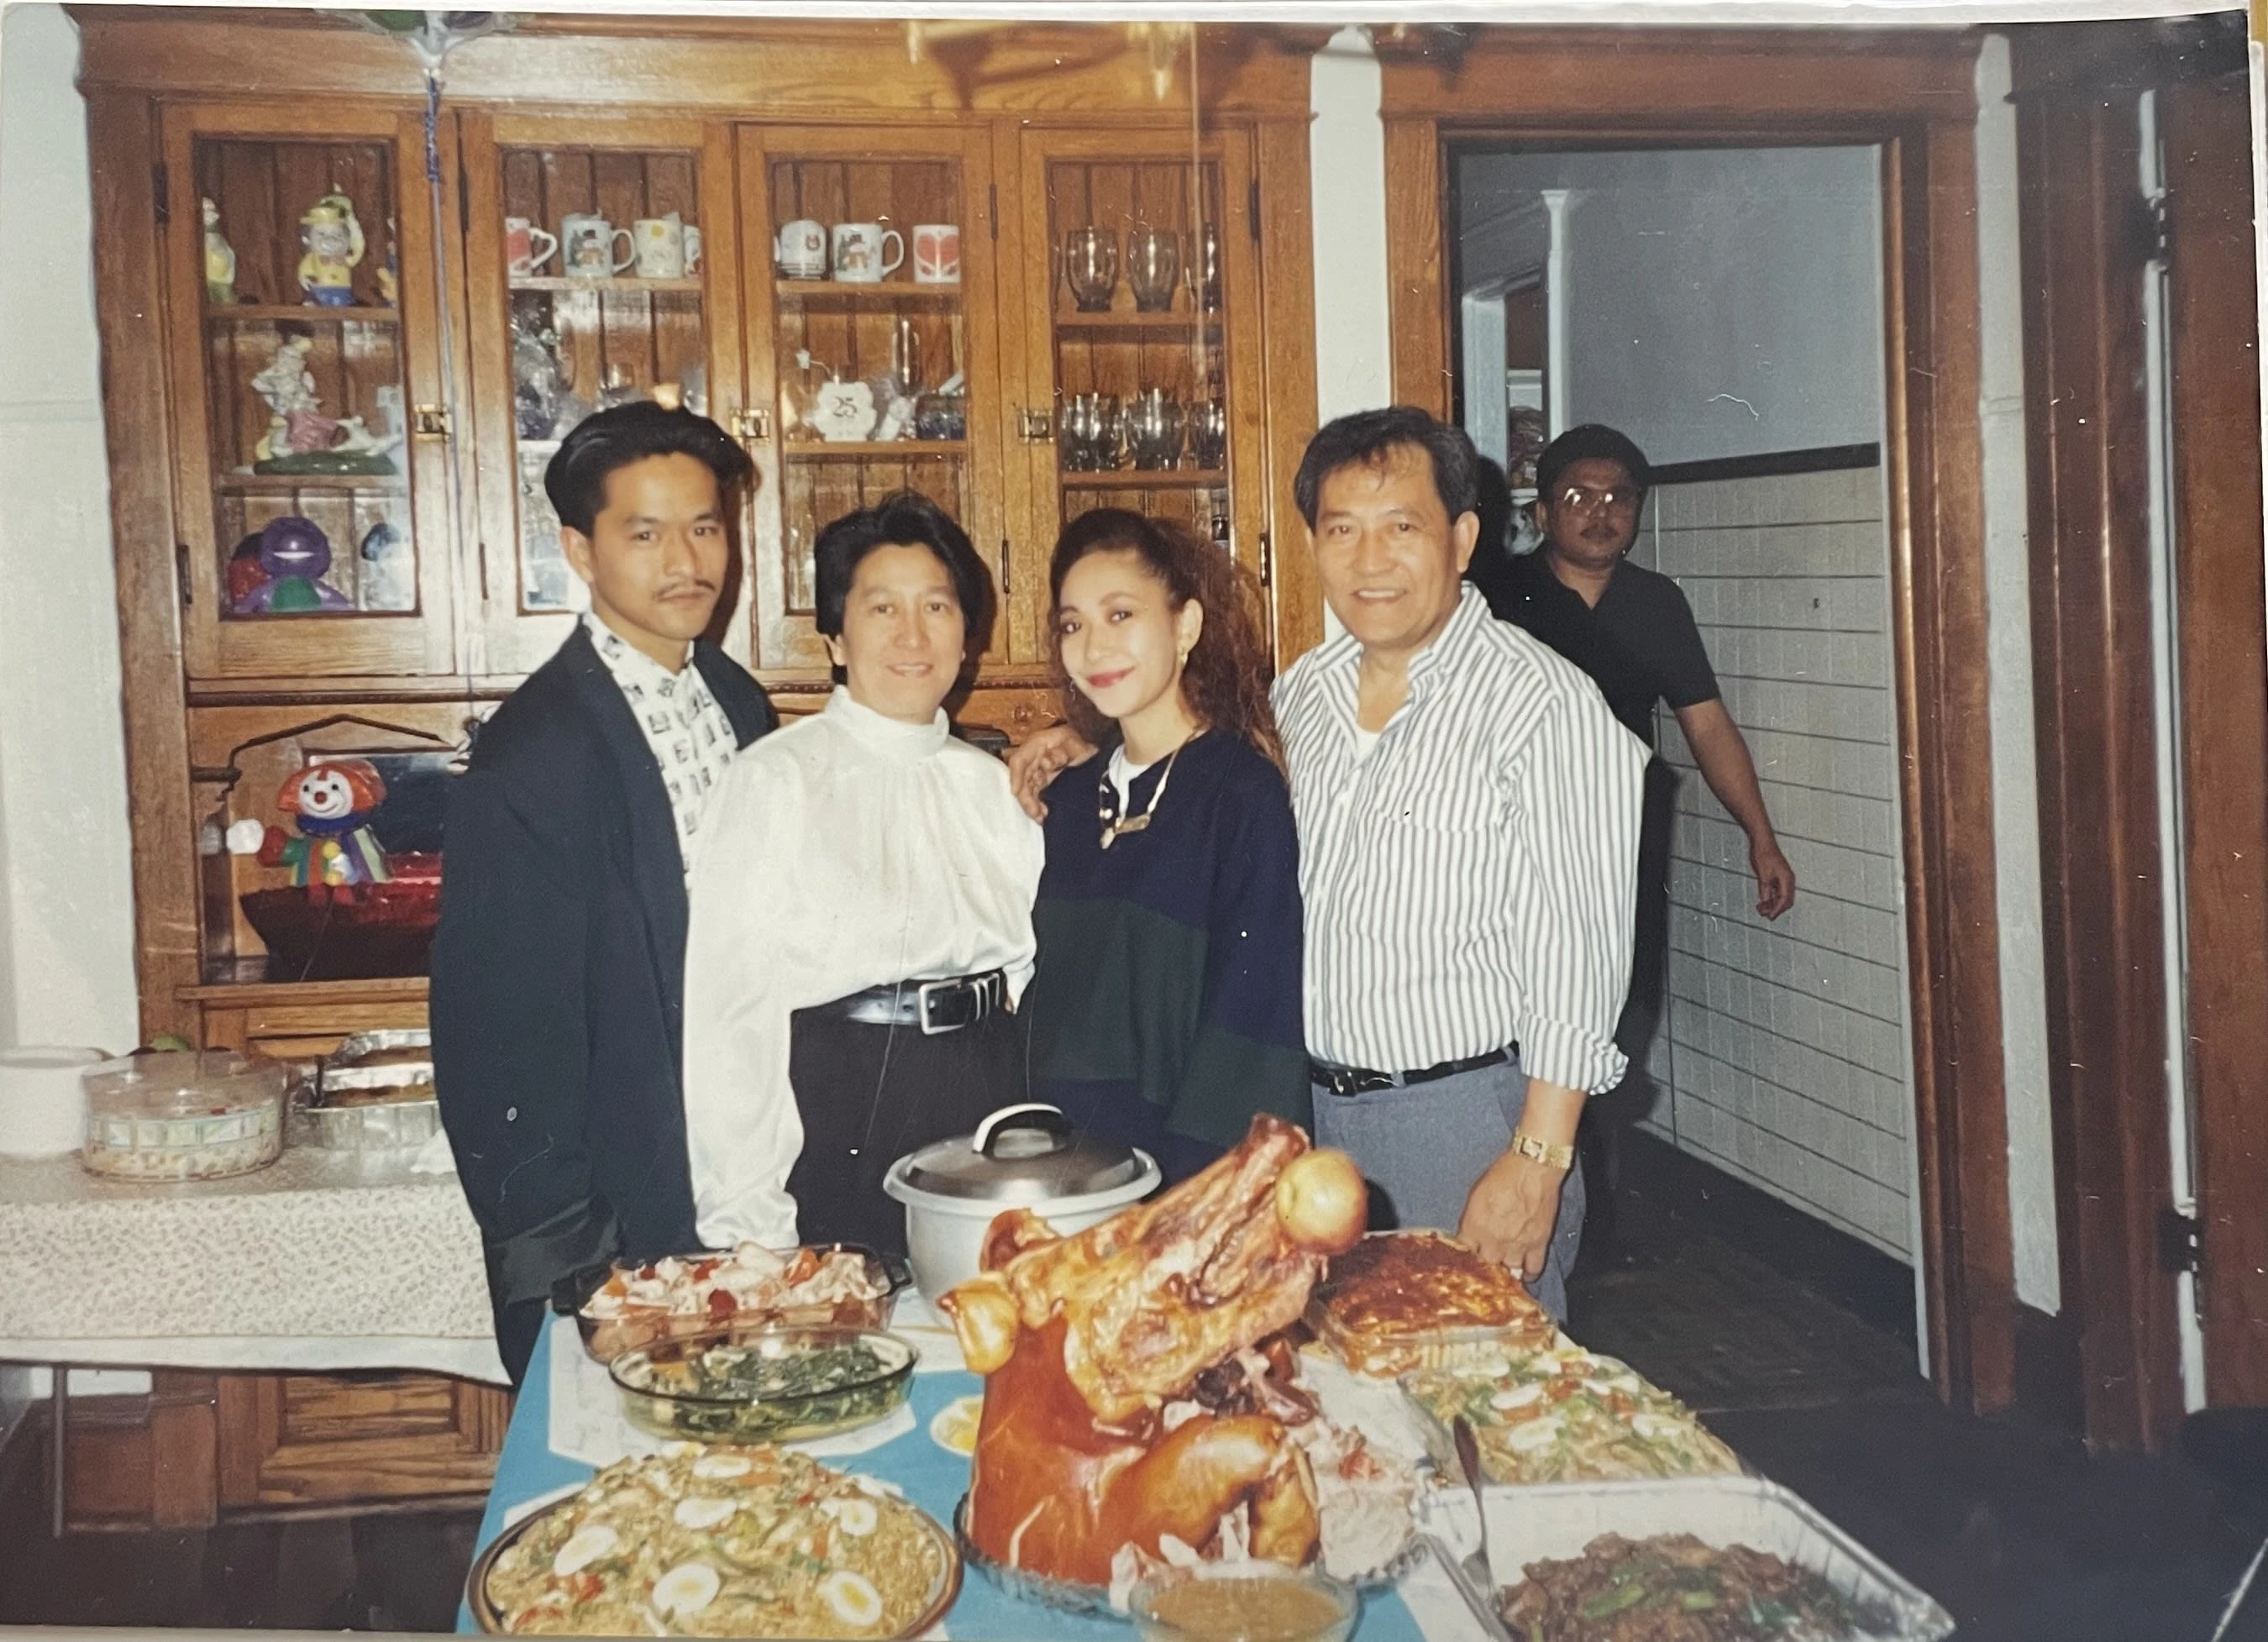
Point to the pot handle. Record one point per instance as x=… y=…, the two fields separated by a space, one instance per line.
x=1029 y=1113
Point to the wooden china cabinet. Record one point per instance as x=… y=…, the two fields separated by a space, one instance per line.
x=408 y=420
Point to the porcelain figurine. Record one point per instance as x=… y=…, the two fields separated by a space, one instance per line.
x=331 y=804
x=289 y=387
x=388 y=582
x=295 y=554
x=332 y=243
x=220 y=260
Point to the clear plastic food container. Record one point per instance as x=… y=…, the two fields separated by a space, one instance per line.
x=192 y=1114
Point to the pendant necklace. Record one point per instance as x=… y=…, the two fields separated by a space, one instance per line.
x=1114 y=828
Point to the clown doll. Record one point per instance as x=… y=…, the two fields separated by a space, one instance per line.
x=333 y=802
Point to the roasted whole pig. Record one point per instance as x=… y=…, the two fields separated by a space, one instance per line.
x=1096 y=1434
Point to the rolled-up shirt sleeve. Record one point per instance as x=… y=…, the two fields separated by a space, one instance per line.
x=1577 y=788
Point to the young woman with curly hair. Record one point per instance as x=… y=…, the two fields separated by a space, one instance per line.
x=1165 y=1008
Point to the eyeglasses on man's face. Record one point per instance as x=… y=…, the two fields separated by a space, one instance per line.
x=1581 y=499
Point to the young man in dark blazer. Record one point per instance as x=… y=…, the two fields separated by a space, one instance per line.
x=558 y=970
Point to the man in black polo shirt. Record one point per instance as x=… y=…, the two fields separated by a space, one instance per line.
x=1630 y=629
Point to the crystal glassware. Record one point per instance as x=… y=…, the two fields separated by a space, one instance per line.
x=1209 y=434
x=1092 y=430
x=1204 y=268
x=1153 y=429
x=1153 y=267
x=1091 y=268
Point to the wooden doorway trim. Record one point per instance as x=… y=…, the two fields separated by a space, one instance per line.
x=2224 y=640
x=1914 y=95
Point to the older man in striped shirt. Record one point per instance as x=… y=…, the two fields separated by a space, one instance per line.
x=1468 y=811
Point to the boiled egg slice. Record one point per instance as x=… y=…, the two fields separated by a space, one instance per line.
x=1535 y=1433
x=1515 y=1396
x=852 y=1598
x=702 y=1511
x=714 y=1467
x=584 y=1548
x=854 y=1516
x=689 y=1588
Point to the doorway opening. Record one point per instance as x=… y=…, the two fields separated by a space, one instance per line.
x=1725 y=308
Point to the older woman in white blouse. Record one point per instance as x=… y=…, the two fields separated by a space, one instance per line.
x=861 y=911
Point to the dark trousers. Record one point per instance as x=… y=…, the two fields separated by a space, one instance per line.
x=870 y=1095
x=1609 y=1116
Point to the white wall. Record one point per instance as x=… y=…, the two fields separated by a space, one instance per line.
x=67 y=942
x=1782 y=1057
x=1717 y=299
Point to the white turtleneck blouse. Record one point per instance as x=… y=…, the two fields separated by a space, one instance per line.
x=844 y=851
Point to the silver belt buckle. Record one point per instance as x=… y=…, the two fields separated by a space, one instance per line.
x=923 y=995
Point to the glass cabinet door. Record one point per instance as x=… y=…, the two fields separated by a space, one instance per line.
x=1142 y=359
x=600 y=271
x=313 y=518
x=871 y=359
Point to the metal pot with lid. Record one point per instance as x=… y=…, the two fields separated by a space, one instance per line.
x=1026 y=1156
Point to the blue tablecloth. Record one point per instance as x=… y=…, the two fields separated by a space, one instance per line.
x=933 y=1478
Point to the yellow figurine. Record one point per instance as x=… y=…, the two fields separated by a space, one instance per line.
x=332 y=241
x=220 y=260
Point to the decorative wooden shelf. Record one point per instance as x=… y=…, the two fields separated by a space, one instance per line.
x=873 y=450
x=283 y=314
x=883 y=293
x=291 y=484
x=1147 y=479
x=606 y=283
x=1129 y=319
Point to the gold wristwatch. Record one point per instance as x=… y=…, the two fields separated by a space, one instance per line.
x=1560 y=1157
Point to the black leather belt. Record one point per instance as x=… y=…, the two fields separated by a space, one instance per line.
x=1353 y=1081
x=934 y=1006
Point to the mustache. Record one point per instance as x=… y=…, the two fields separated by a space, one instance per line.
x=698 y=583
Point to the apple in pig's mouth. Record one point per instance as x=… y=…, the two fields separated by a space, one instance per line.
x=1321 y=1201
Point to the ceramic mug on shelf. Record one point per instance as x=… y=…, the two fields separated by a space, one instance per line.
x=521 y=256
x=862 y=253
x=660 y=243
x=937 y=254
x=801 y=249
x=587 y=240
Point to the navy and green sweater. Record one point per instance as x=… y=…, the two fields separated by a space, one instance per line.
x=1164 y=1010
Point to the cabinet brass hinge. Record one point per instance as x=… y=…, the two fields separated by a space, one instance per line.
x=2180 y=1243
x=431 y=422
x=159 y=194
x=1038 y=426
x=753 y=427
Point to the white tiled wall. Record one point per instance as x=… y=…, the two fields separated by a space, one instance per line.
x=1782 y=1054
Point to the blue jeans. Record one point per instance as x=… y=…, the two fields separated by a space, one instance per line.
x=1424 y=1145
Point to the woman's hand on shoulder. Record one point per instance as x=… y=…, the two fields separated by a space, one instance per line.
x=1039 y=759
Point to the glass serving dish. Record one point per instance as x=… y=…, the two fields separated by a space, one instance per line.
x=183 y=1115
x=649 y=1304
x=1246 y=1601
x=787 y=1385
x=1388 y=1355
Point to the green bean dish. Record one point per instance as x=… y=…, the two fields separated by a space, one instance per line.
x=787 y=1386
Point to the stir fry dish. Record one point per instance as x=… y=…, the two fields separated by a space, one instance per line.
x=1675 y=1588
x=723 y=1542
x=788 y=1385
x=1566 y=1416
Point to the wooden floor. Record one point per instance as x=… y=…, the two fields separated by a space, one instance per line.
x=2021 y=1533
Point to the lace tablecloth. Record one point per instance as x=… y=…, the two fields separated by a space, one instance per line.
x=322 y=1261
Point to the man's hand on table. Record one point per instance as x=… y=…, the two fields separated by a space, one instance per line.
x=1513 y=1207
x=1039 y=759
